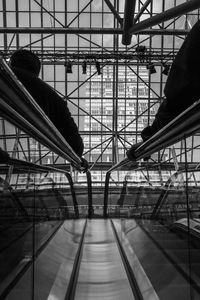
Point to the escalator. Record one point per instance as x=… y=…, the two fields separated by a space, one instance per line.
x=102 y=273
x=171 y=263
x=84 y=260
x=109 y=259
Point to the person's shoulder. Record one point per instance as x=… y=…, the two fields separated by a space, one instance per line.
x=21 y=73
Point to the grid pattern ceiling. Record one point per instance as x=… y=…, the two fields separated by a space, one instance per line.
x=111 y=102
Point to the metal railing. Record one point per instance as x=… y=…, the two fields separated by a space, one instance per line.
x=164 y=193
x=39 y=168
x=20 y=109
x=184 y=125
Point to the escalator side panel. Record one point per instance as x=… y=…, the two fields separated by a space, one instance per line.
x=102 y=274
x=53 y=266
x=146 y=289
x=167 y=281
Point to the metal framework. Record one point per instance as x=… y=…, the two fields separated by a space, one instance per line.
x=131 y=57
x=110 y=103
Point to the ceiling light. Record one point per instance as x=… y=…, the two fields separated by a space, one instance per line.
x=166 y=69
x=151 y=69
x=84 y=67
x=68 y=66
x=97 y=64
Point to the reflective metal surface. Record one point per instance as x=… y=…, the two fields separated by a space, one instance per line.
x=102 y=274
x=53 y=266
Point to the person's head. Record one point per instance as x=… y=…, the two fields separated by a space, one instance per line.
x=25 y=59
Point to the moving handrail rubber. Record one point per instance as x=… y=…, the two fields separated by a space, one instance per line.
x=71 y=290
x=164 y=193
x=18 y=107
x=129 y=271
x=42 y=168
x=184 y=125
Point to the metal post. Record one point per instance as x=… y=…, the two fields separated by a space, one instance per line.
x=165 y=16
x=75 y=203
x=142 y=10
x=105 y=207
x=90 y=206
x=129 y=10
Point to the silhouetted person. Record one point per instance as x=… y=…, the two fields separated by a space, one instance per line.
x=182 y=87
x=26 y=66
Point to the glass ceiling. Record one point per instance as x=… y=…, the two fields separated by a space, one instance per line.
x=110 y=91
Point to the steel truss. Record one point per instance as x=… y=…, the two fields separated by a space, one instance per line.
x=131 y=25
x=153 y=55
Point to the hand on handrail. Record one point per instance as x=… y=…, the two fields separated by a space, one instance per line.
x=83 y=167
x=131 y=152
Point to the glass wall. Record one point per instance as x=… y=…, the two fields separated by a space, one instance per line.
x=113 y=92
x=31 y=214
x=159 y=213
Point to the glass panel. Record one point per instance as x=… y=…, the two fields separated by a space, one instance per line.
x=17 y=228
x=112 y=94
x=159 y=218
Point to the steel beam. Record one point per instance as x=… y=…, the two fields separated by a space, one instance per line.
x=73 y=30
x=129 y=10
x=164 y=32
x=184 y=125
x=61 y=30
x=142 y=10
x=165 y=16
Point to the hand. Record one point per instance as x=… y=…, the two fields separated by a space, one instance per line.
x=84 y=165
x=131 y=152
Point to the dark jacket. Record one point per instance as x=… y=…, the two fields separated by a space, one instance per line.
x=53 y=106
x=182 y=88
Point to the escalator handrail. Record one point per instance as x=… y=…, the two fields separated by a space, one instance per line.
x=90 y=202
x=44 y=168
x=129 y=271
x=184 y=125
x=71 y=290
x=163 y=196
x=34 y=167
x=20 y=108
